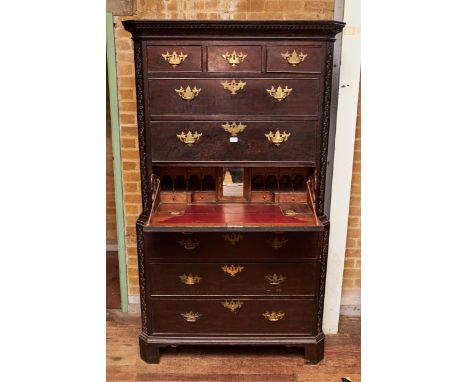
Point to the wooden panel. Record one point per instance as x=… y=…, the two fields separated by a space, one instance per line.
x=312 y=63
x=299 y=278
x=303 y=100
x=248 y=319
x=156 y=62
x=251 y=63
x=214 y=145
x=230 y=246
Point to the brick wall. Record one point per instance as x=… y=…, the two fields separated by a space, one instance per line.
x=180 y=9
x=111 y=227
x=352 y=267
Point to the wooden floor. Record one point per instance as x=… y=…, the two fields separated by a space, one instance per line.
x=229 y=364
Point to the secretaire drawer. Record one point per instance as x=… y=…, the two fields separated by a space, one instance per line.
x=233 y=316
x=240 y=96
x=230 y=246
x=296 y=59
x=232 y=278
x=174 y=58
x=234 y=58
x=194 y=141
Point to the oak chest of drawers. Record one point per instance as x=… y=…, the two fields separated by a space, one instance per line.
x=233 y=133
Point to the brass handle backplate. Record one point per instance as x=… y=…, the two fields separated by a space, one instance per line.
x=277 y=242
x=233 y=237
x=191 y=316
x=189 y=244
x=232 y=270
x=233 y=86
x=273 y=316
x=234 y=128
x=275 y=279
x=233 y=58
x=188 y=94
x=190 y=138
x=294 y=58
x=232 y=305
x=277 y=138
x=174 y=59
x=189 y=279
x=279 y=93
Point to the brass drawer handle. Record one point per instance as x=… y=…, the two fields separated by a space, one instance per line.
x=232 y=269
x=277 y=242
x=232 y=305
x=174 y=59
x=189 y=139
x=273 y=316
x=191 y=316
x=190 y=280
x=294 y=58
x=233 y=58
x=189 y=244
x=279 y=93
x=233 y=86
x=233 y=237
x=275 y=279
x=234 y=129
x=277 y=138
x=188 y=94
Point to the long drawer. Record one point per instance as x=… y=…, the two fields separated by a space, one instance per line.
x=232 y=315
x=208 y=96
x=232 y=278
x=171 y=141
x=231 y=246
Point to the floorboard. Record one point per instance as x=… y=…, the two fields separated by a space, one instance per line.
x=230 y=364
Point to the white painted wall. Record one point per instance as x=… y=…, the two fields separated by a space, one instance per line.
x=343 y=161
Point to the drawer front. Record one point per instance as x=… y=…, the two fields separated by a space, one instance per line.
x=233 y=316
x=206 y=96
x=232 y=278
x=174 y=58
x=215 y=145
x=234 y=58
x=269 y=246
x=296 y=59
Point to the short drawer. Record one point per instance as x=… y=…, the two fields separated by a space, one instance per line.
x=295 y=59
x=230 y=278
x=230 y=246
x=234 y=58
x=240 y=96
x=296 y=142
x=233 y=315
x=174 y=58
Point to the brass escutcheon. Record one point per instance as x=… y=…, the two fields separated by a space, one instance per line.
x=294 y=58
x=174 y=59
x=232 y=305
x=277 y=242
x=233 y=237
x=189 y=279
x=277 y=138
x=188 y=94
x=189 y=139
x=233 y=58
x=232 y=269
x=189 y=243
x=275 y=279
x=233 y=129
x=190 y=316
x=279 y=93
x=233 y=86
x=273 y=316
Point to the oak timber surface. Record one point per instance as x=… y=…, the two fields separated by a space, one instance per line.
x=230 y=364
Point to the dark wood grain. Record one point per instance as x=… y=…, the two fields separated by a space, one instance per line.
x=312 y=63
x=192 y=63
x=217 y=63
